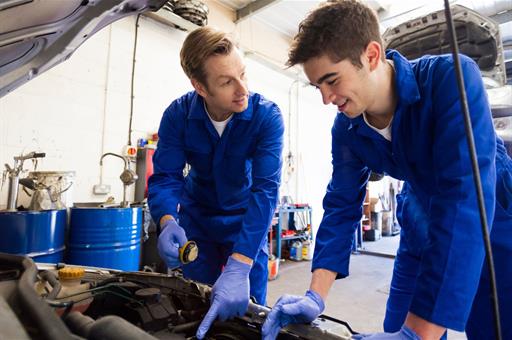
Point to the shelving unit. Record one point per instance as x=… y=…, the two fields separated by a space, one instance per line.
x=281 y=211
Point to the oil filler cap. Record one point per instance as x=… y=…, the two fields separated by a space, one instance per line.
x=189 y=252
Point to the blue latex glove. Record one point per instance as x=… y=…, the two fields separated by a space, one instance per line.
x=230 y=295
x=170 y=240
x=292 y=309
x=405 y=333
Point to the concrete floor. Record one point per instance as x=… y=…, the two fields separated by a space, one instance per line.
x=386 y=245
x=359 y=299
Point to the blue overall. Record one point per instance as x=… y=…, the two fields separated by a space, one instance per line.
x=227 y=201
x=438 y=269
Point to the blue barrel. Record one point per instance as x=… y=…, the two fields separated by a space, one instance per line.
x=38 y=234
x=105 y=237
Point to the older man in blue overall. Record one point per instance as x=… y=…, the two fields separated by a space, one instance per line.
x=403 y=118
x=232 y=140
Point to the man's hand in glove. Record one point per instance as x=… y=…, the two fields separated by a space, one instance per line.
x=171 y=238
x=230 y=295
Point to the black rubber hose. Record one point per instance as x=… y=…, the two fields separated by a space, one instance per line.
x=51 y=278
x=474 y=164
x=43 y=317
x=133 y=79
x=185 y=327
x=193 y=315
x=114 y=328
x=107 y=328
x=79 y=324
x=108 y=281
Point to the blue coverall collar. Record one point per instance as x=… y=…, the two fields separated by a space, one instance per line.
x=405 y=82
x=197 y=110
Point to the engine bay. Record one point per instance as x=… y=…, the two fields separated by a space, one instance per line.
x=58 y=301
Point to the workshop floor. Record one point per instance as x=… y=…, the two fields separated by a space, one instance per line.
x=386 y=245
x=359 y=299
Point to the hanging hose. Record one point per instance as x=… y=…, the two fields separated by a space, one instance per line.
x=474 y=165
x=133 y=79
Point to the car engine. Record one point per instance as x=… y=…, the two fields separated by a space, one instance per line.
x=59 y=301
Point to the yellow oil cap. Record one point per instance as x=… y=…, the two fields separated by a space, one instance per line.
x=189 y=252
x=71 y=273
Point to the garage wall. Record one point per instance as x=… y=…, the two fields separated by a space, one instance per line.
x=314 y=167
x=80 y=109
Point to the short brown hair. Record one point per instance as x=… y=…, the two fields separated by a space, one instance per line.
x=198 y=46
x=339 y=29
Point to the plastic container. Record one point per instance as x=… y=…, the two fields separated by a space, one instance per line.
x=273 y=267
x=73 y=289
x=307 y=251
x=296 y=251
x=376 y=220
x=372 y=235
x=387 y=222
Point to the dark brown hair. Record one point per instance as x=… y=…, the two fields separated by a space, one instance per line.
x=339 y=29
x=198 y=46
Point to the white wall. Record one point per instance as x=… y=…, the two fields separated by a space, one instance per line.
x=80 y=109
x=68 y=111
x=314 y=144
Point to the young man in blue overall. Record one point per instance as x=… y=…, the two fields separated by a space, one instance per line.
x=232 y=139
x=403 y=118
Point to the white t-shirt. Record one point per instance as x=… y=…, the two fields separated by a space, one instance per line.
x=386 y=132
x=219 y=126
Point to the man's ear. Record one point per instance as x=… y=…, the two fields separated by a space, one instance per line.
x=373 y=54
x=199 y=87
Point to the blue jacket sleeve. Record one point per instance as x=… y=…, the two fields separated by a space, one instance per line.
x=342 y=205
x=266 y=178
x=452 y=259
x=166 y=184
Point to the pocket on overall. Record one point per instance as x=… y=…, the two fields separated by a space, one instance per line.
x=413 y=220
x=237 y=163
x=199 y=160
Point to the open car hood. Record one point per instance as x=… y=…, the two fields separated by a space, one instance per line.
x=478 y=38
x=36 y=35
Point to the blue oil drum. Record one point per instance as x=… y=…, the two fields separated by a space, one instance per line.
x=105 y=237
x=37 y=234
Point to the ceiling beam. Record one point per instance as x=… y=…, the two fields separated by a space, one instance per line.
x=253 y=8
